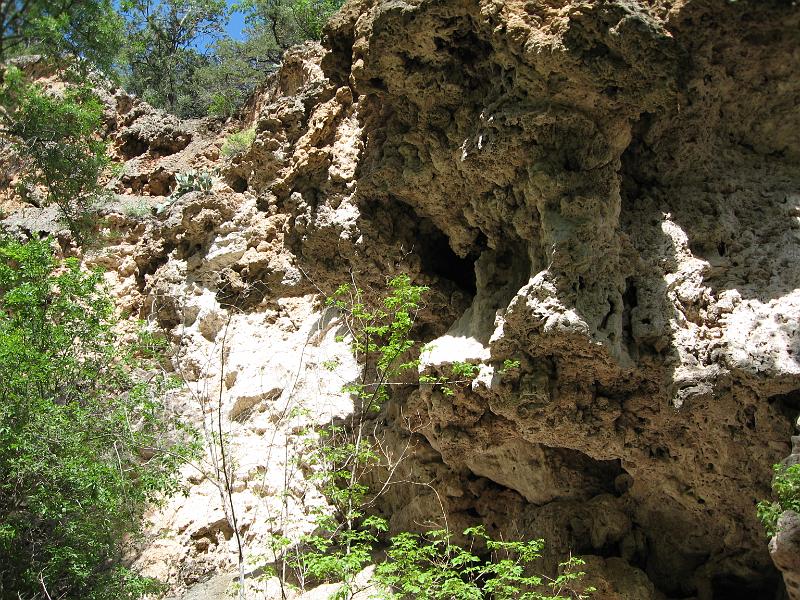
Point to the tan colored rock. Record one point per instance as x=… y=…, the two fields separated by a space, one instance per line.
x=606 y=192
x=784 y=548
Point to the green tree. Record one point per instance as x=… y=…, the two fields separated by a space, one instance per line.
x=166 y=45
x=288 y=22
x=55 y=28
x=311 y=15
x=80 y=440
x=55 y=138
x=236 y=68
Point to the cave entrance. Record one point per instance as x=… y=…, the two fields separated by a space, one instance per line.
x=440 y=259
x=132 y=147
x=787 y=404
x=731 y=587
x=415 y=233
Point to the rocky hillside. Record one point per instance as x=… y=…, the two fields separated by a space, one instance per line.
x=605 y=191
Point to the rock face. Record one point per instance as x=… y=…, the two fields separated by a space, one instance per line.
x=604 y=192
x=623 y=177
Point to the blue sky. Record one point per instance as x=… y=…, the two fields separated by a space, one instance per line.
x=235 y=24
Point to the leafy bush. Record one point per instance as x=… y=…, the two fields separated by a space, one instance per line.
x=342 y=457
x=509 y=365
x=431 y=566
x=238 y=143
x=80 y=440
x=223 y=105
x=311 y=15
x=56 y=138
x=56 y=29
x=136 y=209
x=786 y=489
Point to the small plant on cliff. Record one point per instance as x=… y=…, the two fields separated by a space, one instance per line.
x=192 y=181
x=342 y=457
x=352 y=467
x=432 y=566
x=82 y=443
x=238 y=143
x=136 y=209
x=786 y=490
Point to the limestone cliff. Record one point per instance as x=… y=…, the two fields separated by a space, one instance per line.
x=605 y=191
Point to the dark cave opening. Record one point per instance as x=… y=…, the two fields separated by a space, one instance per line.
x=630 y=300
x=132 y=147
x=414 y=232
x=787 y=404
x=439 y=258
x=731 y=587
x=238 y=184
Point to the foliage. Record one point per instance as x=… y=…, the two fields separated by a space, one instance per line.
x=90 y=30
x=273 y=24
x=238 y=143
x=461 y=373
x=341 y=457
x=432 y=566
x=80 y=440
x=136 y=209
x=233 y=71
x=192 y=181
x=56 y=138
x=235 y=68
x=162 y=53
x=177 y=56
x=345 y=461
x=311 y=15
x=290 y=22
x=786 y=490
x=379 y=338
x=509 y=365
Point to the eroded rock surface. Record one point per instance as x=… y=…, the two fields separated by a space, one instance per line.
x=606 y=192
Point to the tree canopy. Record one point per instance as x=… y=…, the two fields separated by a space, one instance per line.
x=164 y=49
x=55 y=28
x=179 y=57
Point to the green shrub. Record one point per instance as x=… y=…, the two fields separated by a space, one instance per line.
x=342 y=457
x=238 y=143
x=56 y=138
x=311 y=15
x=431 y=566
x=786 y=489
x=136 y=209
x=80 y=441
x=509 y=365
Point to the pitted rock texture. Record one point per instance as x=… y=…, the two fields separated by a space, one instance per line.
x=604 y=192
x=624 y=177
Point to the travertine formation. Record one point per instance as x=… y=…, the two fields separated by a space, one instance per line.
x=605 y=191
